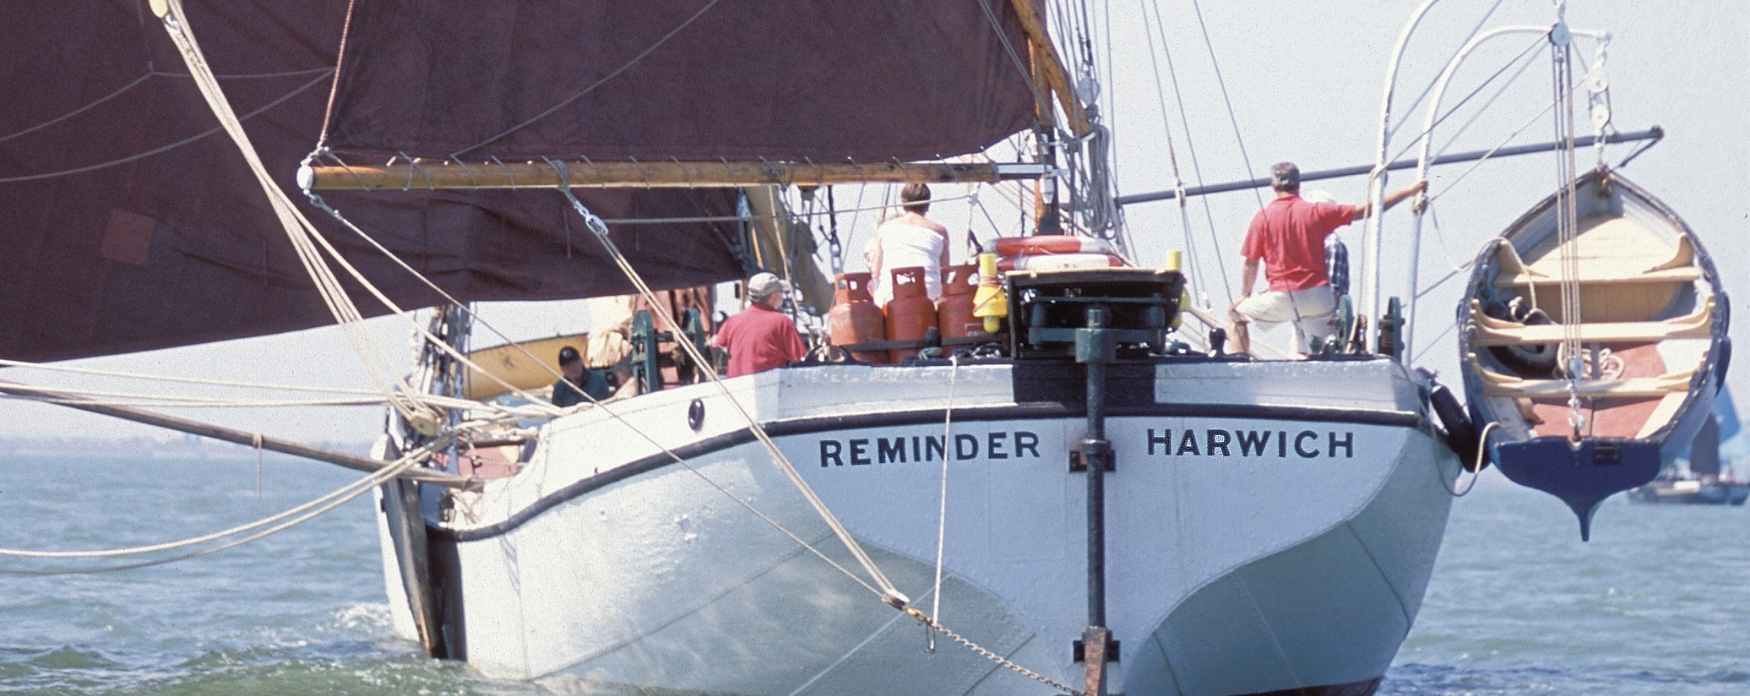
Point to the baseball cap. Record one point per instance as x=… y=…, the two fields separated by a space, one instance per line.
x=568 y=354
x=762 y=285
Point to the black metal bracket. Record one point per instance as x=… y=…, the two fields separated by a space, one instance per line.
x=1078 y=652
x=1092 y=450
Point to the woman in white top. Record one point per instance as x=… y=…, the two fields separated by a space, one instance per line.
x=905 y=241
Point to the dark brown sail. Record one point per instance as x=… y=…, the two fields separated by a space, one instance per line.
x=696 y=80
x=129 y=222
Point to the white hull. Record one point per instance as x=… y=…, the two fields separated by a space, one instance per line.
x=1269 y=527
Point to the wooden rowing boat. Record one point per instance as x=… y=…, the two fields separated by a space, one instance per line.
x=1592 y=357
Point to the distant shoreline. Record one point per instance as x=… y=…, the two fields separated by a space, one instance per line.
x=147 y=448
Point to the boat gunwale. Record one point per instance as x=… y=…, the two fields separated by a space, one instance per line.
x=1485 y=266
x=1029 y=411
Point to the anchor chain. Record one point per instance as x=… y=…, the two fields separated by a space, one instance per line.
x=929 y=623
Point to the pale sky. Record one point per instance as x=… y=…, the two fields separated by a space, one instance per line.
x=1304 y=79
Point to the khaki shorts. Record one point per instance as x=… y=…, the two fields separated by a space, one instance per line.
x=1310 y=310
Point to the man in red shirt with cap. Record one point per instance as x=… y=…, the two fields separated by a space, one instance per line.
x=760 y=337
x=1288 y=236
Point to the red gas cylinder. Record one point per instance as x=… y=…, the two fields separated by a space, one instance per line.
x=910 y=314
x=855 y=318
x=954 y=309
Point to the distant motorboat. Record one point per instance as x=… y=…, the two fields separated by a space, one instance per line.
x=1691 y=491
x=1704 y=481
x=1591 y=349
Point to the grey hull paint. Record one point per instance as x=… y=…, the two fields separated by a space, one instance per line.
x=1344 y=600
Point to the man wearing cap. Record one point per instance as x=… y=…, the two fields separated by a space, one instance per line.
x=1288 y=236
x=566 y=391
x=760 y=337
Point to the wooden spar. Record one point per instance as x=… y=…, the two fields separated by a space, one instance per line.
x=435 y=174
x=1056 y=78
x=217 y=432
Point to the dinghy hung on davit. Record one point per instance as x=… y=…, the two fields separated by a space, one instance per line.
x=1593 y=336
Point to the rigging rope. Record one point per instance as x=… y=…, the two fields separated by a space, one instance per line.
x=1040 y=101
x=1411 y=109
x=1525 y=60
x=1567 y=226
x=339 y=64
x=124 y=89
x=890 y=594
x=942 y=511
x=298 y=229
x=1191 y=147
x=1193 y=264
x=168 y=147
x=186 y=380
x=1231 y=118
x=268 y=526
x=593 y=86
x=1476 y=467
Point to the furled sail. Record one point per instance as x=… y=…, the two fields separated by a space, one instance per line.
x=129 y=222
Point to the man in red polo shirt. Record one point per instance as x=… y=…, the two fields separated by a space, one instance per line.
x=1288 y=235
x=760 y=337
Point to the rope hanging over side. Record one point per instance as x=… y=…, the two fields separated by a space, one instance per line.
x=890 y=594
x=298 y=229
x=1567 y=223
x=237 y=536
x=942 y=500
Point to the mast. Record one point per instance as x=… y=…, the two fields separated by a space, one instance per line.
x=1095 y=347
x=1047 y=68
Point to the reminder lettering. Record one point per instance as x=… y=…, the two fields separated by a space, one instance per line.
x=864 y=451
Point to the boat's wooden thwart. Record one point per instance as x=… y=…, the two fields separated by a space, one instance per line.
x=1650 y=328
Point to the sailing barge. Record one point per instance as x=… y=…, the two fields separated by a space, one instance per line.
x=1090 y=502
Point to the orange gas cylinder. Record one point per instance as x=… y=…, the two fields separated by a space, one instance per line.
x=855 y=318
x=954 y=309
x=910 y=314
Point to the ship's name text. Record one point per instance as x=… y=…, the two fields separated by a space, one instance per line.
x=861 y=451
x=1218 y=442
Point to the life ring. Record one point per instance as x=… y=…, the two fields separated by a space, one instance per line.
x=1052 y=262
x=1052 y=244
x=1461 y=433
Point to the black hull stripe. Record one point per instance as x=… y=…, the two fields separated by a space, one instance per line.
x=1360 y=688
x=801 y=426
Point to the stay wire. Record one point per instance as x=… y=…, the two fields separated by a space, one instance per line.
x=595 y=85
x=1526 y=60
x=1040 y=101
x=1191 y=148
x=298 y=229
x=890 y=594
x=1231 y=118
x=167 y=147
x=1410 y=111
x=1193 y=264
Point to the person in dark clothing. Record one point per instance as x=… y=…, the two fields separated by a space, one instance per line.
x=593 y=382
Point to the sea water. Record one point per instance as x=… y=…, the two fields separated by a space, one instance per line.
x=1657 y=603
